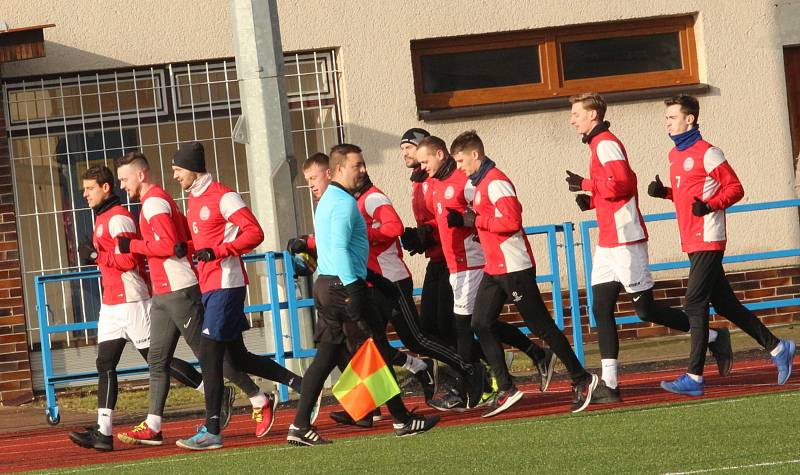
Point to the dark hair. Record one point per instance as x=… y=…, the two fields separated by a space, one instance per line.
x=591 y=101
x=319 y=159
x=136 y=158
x=101 y=175
x=689 y=105
x=467 y=141
x=339 y=154
x=434 y=143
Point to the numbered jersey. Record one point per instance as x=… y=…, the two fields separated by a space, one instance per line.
x=422 y=205
x=219 y=219
x=701 y=171
x=121 y=275
x=384 y=228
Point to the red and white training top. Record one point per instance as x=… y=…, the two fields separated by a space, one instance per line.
x=384 y=229
x=615 y=198
x=162 y=226
x=499 y=224
x=460 y=246
x=219 y=219
x=121 y=275
x=422 y=206
x=701 y=171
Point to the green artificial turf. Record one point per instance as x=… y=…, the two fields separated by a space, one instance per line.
x=699 y=435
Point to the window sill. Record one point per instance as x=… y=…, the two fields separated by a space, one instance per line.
x=558 y=102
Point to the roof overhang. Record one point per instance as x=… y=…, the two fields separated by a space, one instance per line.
x=18 y=44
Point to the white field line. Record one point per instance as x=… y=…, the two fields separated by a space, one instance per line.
x=736 y=467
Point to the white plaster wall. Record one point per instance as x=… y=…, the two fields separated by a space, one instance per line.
x=739 y=49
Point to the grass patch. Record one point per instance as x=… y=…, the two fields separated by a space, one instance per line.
x=657 y=439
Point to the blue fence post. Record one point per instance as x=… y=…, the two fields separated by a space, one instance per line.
x=277 y=327
x=586 y=241
x=555 y=270
x=574 y=302
x=51 y=411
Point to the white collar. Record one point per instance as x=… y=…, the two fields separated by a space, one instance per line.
x=201 y=184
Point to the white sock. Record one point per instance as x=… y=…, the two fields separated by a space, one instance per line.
x=104 y=417
x=200 y=388
x=712 y=335
x=154 y=422
x=776 y=351
x=259 y=400
x=695 y=378
x=414 y=364
x=609 y=375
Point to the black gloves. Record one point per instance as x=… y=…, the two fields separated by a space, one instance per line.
x=124 y=244
x=87 y=253
x=584 y=201
x=574 y=181
x=297 y=245
x=180 y=249
x=700 y=208
x=656 y=189
x=456 y=219
x=417 y=240
x=206 y=254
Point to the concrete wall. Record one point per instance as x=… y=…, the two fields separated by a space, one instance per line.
x=789 y=21
x=739 y=48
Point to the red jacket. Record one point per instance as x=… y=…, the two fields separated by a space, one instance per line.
x=701 y=171
x=615 y=198
x=422 y=206
x=219 y=219
x=162 y=225
x=499 y=224
x=459 y=245
x=121 y=275
x=384 y=229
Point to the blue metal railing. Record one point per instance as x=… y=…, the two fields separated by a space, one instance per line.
x=586 y=226
x=273 y=305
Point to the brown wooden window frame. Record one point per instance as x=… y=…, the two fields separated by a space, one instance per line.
x=550 y=42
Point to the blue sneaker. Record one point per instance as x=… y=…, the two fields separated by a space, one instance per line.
x=683 y=385
x=784 y=361
x=201 y=441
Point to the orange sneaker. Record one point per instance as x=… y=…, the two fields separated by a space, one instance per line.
x=141 y=434
x=265 y=416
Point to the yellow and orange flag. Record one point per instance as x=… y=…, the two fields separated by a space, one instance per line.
x=366 y=383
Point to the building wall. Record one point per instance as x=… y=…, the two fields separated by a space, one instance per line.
x=15 y=375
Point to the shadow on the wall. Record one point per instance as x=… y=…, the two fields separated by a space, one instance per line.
x=62 y=59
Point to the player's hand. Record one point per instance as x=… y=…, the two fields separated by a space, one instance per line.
x=124 y=244
x=584 y=201
x=656 y=189
x=297 y=245
x=180 y=249
x=574 y=181
x=455 y=219
x=87 y=253
x=410 y=241
x=469 y=218
x=700 y=208
x=205 y=255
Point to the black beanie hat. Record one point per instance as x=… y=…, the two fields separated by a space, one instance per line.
x=414 y=136
x=191 y=157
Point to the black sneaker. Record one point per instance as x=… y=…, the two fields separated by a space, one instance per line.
x=583 y=393
x=226 y=409
x=417 y=425
x=604 y=395
x=427 y=378
x=93 y=439
x=342 y=417
x=722 y=351
x=475 y=385
x=546 y=367
x=305 y=437
x=376 y=415
x=451 y=401
x=503 y=401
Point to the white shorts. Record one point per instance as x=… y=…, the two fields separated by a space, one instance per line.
x=624 y=264
x=129 y=320
x=465 y=287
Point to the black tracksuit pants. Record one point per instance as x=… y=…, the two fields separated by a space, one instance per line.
x=707 y=283
x=493 y=292
x=436 y=303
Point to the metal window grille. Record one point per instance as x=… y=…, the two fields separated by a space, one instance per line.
x=60 y=126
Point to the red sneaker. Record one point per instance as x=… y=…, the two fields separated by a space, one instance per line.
x=264 y=416
x=141 y=434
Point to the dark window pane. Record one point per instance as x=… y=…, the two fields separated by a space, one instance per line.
x=480 y=69
x=615 y=56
